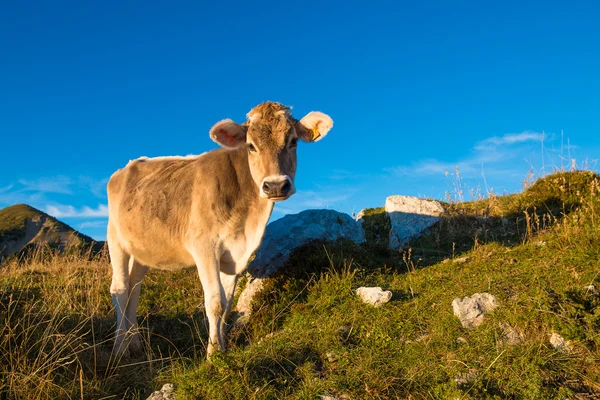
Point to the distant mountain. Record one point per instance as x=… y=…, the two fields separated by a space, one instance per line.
x=23 y=227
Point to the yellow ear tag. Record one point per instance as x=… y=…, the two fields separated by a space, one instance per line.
x=314 y=133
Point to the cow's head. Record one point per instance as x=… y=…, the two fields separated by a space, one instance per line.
x=270 y=136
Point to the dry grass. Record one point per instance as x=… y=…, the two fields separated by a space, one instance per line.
x=57 y=322
x=537 y=252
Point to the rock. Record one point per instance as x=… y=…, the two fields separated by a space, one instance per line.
x=328 y=397
x=331 y=357
x=591 y=289
x=360 y=215
x=285 y=235
x=510 y=335
x=409 y=217
x=461 y=260
x=461 y=340
x=465 y=378
x=472 y=310
x=244 y=304
x=374 y=295
x=559 y=343
x=165 y=393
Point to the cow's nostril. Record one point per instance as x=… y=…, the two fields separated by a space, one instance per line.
x=286 y=187
x=266 y=187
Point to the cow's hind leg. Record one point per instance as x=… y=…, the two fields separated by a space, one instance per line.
x=137 y=272
x=119 y=290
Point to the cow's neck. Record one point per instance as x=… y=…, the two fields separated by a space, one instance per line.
x=251 y=218
x=259 y=207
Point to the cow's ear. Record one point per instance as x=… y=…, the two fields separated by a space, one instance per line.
x=314 y=126
x=228 y=134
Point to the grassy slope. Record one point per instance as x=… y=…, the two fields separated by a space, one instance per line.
x=311 y=336
x=12 y=220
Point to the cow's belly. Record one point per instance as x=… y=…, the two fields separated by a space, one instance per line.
x=160 y=257
x=156 y=251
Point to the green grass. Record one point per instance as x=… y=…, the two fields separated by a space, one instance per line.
x=311 y=336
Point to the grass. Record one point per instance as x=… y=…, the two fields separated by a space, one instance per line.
x=310 y=335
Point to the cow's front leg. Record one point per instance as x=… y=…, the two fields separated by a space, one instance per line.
x=229 y=274
x=228 y=283
x=214 y=297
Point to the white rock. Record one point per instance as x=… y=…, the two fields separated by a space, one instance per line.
x=360 y=215
x=409 y=217
x=165 y=393
x=472 y=310
x=285 y=235
x=510 y=335
x=559 y=343
x=461 y=260
x=374 y=295
x=591 y=289
x=244 y=304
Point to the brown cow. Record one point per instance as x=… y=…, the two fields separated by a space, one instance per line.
x=208 y=211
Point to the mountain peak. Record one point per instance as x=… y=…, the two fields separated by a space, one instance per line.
x=23 y=226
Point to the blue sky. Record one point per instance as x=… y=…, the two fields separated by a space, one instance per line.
x=415 y=89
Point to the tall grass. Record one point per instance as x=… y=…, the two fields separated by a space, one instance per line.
x=57 y=324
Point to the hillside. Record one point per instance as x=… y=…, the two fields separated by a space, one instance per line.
x=538 y=252
x=23 y=227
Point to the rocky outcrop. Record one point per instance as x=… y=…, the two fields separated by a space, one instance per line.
x=285 y=235
x=410 y=217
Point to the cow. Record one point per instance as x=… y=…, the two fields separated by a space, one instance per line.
x=209 y=211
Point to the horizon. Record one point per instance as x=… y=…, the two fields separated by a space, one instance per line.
x=501 y=93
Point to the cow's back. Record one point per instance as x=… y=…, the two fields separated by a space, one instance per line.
x=149 y=209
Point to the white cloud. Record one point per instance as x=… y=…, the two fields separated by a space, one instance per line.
x=432 y=167
x=58 y=184
x=96 y=187
x=6 y=188
x=65 y=211
x=510 y=139
x=92 y=224
x=492 y=150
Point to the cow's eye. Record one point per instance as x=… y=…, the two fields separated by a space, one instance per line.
x=251 y=148
x=293 y=143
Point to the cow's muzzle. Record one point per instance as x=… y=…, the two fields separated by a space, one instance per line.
x=277 y=188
